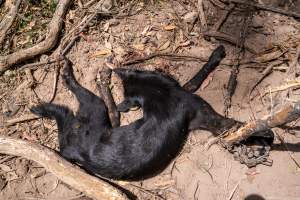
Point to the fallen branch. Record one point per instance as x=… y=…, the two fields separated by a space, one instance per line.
x=54 y=29
x=268 y=8
x=202 y=15
x=227 y=38
x=23 y=118
x=103 y=84
x=223 y=17
x=75 y=177
x=8 y=20
x=286 y=114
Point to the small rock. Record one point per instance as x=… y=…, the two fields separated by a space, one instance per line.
x=190 y=17
x=21 y=167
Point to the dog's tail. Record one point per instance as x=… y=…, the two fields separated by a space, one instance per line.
x=214 y=60
x=52 y=111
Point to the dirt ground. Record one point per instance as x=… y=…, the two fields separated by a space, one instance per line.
x=165 y=26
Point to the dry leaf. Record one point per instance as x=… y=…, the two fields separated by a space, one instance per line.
x=106 y=26
x=164 y=46
x=140 y=47
x=170 y=27
x=5 y=168
x=101 y=53
x=146 y=29
x=207 y=81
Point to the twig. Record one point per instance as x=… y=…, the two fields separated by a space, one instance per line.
x=55 y=80
x=8 y=20
x=268 y=8
x=54 y=29
x=6 y=158
x=266 y=72
x=84 y=23
x=196 y=190
x=62 y=169
x=166 y=55
x=233 y=191
x=23 y=118
x=223 y=18
x=34 y=65
x=287 y=113
x=202 y=15
x=88 y=4
x=147 y=191
x=287 y=85
x=219 y=4
x=230 y=39
x=211 y=142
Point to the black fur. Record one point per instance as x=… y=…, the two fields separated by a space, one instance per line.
x=142 y=148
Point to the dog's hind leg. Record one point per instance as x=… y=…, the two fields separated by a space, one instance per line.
x=214 y=60
x=63 y=116
x=92 y=108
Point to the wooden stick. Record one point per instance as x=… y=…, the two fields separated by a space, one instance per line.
x=103 y=84
x=287 y=113
x=75 y=177
x=222 y=36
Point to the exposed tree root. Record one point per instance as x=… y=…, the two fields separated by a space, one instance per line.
x=75 y=177
x=54 y=29
x=8 y=20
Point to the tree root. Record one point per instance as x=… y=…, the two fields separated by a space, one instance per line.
x=8 y=20
x=54 y=29
x=75 y=177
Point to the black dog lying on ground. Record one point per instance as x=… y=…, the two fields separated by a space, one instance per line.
x=146 y=146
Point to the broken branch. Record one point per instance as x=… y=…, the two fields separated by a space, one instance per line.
x=103 y=84
x=75 y=177
x=227 y=38
x=288 y=113
x=54 y=29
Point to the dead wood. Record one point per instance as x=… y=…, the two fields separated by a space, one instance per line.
x=103 y=84
x=268 y=8
x=54 y=29
x=223 y=17
x=287 y=113
x=75 y=177
x=202 y=15
x=23 y=118
x=227 y=38
x=8 y=20
x=164 y=55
